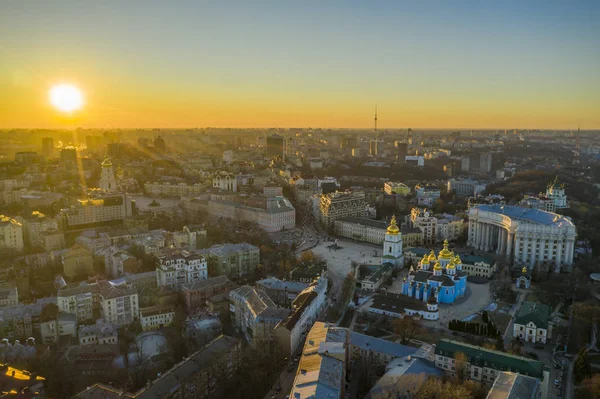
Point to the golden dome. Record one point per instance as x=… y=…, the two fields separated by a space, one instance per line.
x=393 y=228
x=425 y=260
x=445 y=253
x=524 y=270
x=437 y=266
x=451 y=265
x=432 y=256
x=106 y=162
x=457 y=260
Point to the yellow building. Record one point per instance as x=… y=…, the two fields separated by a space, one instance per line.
x=396 y=188
x=77 y=261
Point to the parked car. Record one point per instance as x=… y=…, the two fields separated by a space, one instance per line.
x=556 y=382
x=538 y=345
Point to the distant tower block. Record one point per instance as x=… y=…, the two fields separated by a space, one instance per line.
x=107 y=176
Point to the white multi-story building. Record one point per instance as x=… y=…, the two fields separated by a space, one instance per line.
x=525 y=236
x=115 y=262
x=79 y=299
x=9 y=297
x=119 y=303
x=173 y=190
x=427 y=194
x=274 y=214
x=34 y=227
x=337 y=205
x=11 y=234
x=305 y=309
x=449 y=227
x=466 y=187
x=226 y=182
x=95 y=210
x=100 y=333
x=157 y=317
x=483 y=365
x=180 y=267
x=532 y=323
x=422 y=219
x=417 y=160
x=255 y=315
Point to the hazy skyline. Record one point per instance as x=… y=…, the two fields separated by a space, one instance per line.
x=244 y=64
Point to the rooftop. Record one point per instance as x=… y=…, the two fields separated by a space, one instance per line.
x=490 y=358
x=534 y=312
x=514 y=386
x=531 y=215
x=276 y=284
x=212 y=282
x=397 y=303
x=379 y=345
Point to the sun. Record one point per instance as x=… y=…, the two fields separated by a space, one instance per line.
x=66 y=97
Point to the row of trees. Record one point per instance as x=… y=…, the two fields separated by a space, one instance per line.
x=487 y=330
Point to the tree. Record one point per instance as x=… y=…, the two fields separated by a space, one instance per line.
x=590 y=388
x=460 y=366
x=406 y=327
x=582 y=367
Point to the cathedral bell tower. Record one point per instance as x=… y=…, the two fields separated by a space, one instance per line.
x=107 y=176
x=392 y=245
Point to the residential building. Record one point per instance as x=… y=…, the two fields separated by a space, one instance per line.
x=141 y=281
x=466 y=187
x=178 y=267
x=416 y=160
x=338 y=205
x=195 y=294
x=11 y=234
x=424 y=220
x=515 y=386
x=167 y=189
x=398 y=306
x=78 y=261
x=271 y=214
x=96 y=210
x=306 y=307
x=48 y=147
x=157 y=317
x=533 y=323
x=199 y=375
x=391 y=188
x=427 y=194
x=117 y=262
x=272 y=190
x=525 y=236
x=373 y=231
x=449 y=227
x=55 y=324
x=79 y=299
x=324 y=363
x=276 y=146
x=233 y=259
x=34 y=227
x=475 y=265
x=119 y=302
x=99 y=333
x=283 y=293
x=378 y=351
x=9 y=296
x=255 y=315
x=484 y=365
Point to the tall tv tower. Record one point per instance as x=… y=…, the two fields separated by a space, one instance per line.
x=375 y=119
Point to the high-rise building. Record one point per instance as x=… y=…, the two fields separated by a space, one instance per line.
x=48 y=147
x=159 y=144
x=401 y=150
x=338 y=205
x=276 y=146
x=373 y=148
x=485 y=162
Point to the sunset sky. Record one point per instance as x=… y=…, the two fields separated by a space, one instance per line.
x=426 y=64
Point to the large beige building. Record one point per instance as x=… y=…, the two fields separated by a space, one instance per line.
x=255 y=315
x=78 y=261
x=424 y=220
x=96 y=210
x=79 y=299
x=34 y=228
x=272 y=215
x=119 y=302
x=179 y=267
x=525 y=236
x=11 y=234
x=338 y=205
x=234 y=259
x=373 y=231
x=173 y=190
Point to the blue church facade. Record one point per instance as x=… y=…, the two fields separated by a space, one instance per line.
x=437 y=278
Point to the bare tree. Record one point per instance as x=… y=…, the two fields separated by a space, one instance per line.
x=406 y=327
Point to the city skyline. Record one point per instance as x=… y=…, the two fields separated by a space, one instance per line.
x=439 y=65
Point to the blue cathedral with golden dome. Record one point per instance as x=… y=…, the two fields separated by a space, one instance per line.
x=440 y=277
